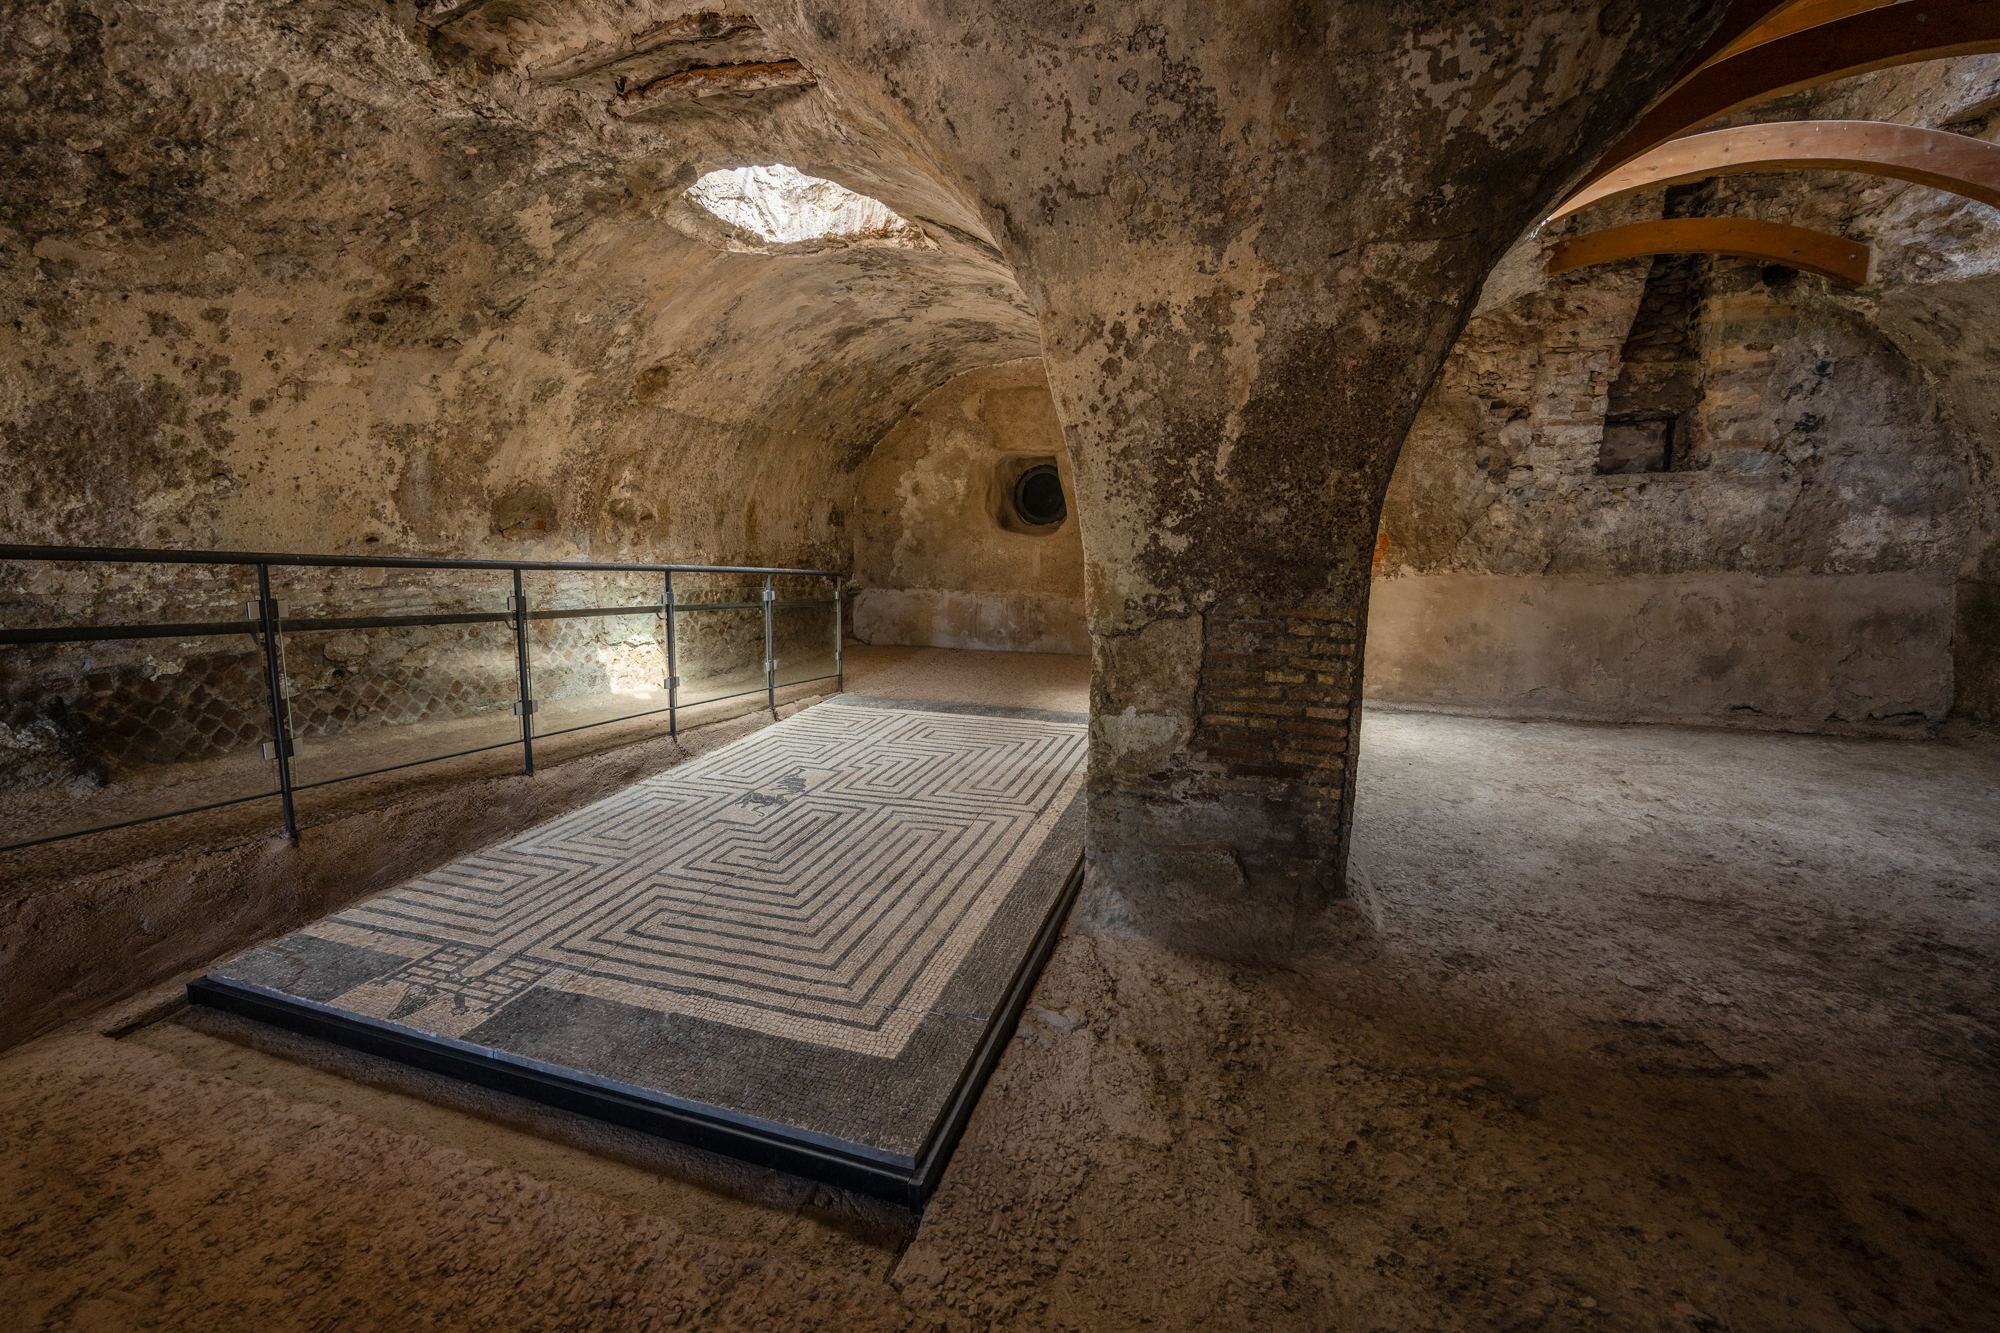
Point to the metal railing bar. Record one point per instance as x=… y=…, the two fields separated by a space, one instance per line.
x=654 y=609
x=667 y=597
x=809 y=680
x=141 y=556
x=301 y=625
x=721 y=698
x=652 y=712
x=474 y=618
x=770 y=648
x=281 y=713
x=143 y=819
x=578 y=613
x=603 y=722
x=96 y=633
x=433 y=759
x=197 y=629
x=526 y=683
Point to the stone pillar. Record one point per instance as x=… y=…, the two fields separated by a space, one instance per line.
x=1252 y=232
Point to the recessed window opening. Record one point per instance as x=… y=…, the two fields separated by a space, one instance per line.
x=783 y=206
x=1038 y=497
x=1651 y=405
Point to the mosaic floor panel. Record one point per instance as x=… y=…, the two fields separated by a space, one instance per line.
x=811 y=933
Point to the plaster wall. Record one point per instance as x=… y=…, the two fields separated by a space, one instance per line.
x=1854 y=653
x=934 y=563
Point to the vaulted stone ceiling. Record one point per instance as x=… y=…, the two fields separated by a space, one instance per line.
x=348 y=275
x=323 y=275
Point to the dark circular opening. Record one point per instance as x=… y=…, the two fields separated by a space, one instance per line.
x=1038 y=497
x=1779 y=275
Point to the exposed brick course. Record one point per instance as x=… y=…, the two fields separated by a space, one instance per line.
x=1277 y=684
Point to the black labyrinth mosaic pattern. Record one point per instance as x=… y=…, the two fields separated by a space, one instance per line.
x=823 y=882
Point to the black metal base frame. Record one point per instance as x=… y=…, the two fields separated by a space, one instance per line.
x=761 y=1143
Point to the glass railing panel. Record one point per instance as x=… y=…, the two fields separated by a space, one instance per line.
x=719 y=637
x=386 y=668
x=163 y=707
x=168 y=716
x=804 y=639
x=598 y=647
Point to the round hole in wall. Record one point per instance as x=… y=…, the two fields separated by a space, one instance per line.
x=1038 y=497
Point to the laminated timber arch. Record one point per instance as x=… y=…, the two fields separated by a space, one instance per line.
x=1797 y=17
x=1841 y=260
x=1880 y=38
x=1748 y=18
x=1945 y=161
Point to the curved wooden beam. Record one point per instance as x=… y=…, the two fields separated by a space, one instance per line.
x=1798 y=17
x=1834 y=257
x=1953 y=162
x=1899 y=34
x=1745 y=17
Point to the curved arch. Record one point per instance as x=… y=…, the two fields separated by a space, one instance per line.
x=1834 y=257
x=1797 y=17
x=1953 y=162
x=1899 y=34
x=1746 y=18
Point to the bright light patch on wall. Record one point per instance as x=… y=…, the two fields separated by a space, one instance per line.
x=783 y=207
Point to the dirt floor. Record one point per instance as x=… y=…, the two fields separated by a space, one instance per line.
x=1651 y=1029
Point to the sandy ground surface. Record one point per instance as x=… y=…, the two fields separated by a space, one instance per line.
x=1659 y=1029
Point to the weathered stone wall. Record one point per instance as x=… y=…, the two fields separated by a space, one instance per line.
x=421 y=277
x=1792 y=564
x=325 y=278
x=936 y=561
x=320 y=278
x=1750 y=576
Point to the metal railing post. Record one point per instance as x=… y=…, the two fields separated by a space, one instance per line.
x=770 y=658
x=274 y=679
x=673 y=662
x=839 y=634
x=526 y=706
